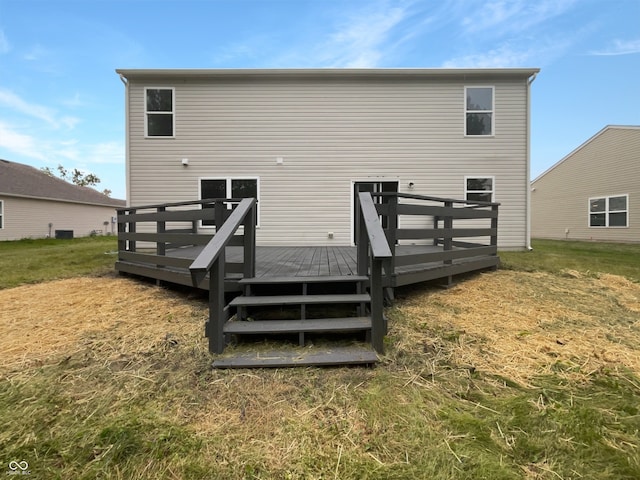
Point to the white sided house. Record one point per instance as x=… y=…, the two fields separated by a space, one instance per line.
x=594 y=192
x=36 y=205
x=301 y=142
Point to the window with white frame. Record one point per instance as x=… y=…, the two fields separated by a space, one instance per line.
x=159 y=106
x=1 y=214
x=479 y=111
x=479 y=189
x=229 y=188
x=610 y=211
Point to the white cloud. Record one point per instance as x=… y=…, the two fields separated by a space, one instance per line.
x=620 y=47
x=508 y=16
x=359 y=43
x=36 y=53
x=20 y=143
x=105 y=152
x=40 y=112
x=502 y=57
x=4 y=43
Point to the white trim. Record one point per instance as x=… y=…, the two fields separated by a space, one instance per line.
x=493 y=186
x=172 y=112
x=607 y=211
x=492 y=112
x=228 y=180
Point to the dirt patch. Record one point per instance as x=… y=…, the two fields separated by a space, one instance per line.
x=521 y=325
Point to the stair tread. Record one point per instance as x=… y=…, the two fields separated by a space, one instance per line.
x=295 y=326
x=314 y=356
x=310 y=279
x=242 y=301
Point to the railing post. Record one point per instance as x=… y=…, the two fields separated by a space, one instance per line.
x=249 y=242
x=377 y=312
x=494 y=229
x=122 y=228
x=214 y=329
x=161 y=246
x=392 y=236
x=436 y=224
x=219 y=207
x=132 y=229
x=448 y=226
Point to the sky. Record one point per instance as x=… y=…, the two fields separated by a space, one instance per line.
x=61 y=101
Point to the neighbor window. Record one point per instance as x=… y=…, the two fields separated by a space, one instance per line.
x=228 y=188
x=479 y=111
x=1 y=214
x=609 y=211
x=159 y=112
x=479 y=189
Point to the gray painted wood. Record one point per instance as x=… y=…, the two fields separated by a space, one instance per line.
x=265 y=280
x=298 y=300
x=349 y=324
x=353 y=355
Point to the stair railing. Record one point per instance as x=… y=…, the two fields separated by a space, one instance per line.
x=373 y=253
x=211 y=261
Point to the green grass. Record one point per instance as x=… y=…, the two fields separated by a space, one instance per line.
x=34 y=261
x=554 y=256
x=105 y=410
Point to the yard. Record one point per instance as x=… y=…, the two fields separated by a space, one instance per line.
x=530 y=372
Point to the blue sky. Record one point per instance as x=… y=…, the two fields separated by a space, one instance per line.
x=62 y=103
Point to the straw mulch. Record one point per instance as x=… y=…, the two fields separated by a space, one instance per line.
x=113 y=316
x=522 y=325
x=512 y=324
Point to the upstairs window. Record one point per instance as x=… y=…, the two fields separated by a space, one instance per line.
x=159 y=112
x=609 y=211
x=479 y=111
x=478 y=189
x=228 y=188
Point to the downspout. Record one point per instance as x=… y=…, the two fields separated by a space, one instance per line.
x=126 y=136
x=528 y=168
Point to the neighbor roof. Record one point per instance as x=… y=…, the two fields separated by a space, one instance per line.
x=17 y=179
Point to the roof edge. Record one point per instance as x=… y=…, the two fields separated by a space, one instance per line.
x=62 y=200
x=584 y=144
x=301 y=72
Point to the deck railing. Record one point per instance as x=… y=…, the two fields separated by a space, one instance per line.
x=147 y=233
x=373 y=253
x=464 y=230
x=211 y=261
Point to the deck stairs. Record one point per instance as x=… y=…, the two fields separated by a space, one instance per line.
x=305 y=310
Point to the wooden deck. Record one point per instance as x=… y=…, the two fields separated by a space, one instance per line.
x=324 y=261
x=164 y=242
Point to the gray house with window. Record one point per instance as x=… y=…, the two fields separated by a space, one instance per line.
x=594 y=192
x=303 y=141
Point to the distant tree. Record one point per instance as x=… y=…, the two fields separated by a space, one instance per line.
x=76 y=177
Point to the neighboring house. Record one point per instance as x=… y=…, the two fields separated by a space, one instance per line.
x=35 y=205
x=302 y=140
x=594 y=192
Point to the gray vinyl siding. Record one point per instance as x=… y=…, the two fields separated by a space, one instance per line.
x=606 y=165
x=30 y=218
x=329 y=132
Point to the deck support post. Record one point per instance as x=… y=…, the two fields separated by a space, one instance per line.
x=216 y=306
x=122 y=228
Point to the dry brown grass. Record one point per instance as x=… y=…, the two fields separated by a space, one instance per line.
x=48 y=320
x=521 y=325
